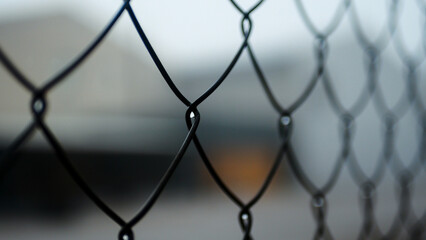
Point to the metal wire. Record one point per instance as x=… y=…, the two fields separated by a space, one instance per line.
x=405 y=221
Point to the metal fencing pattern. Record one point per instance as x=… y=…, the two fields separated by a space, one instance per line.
x=406 y=221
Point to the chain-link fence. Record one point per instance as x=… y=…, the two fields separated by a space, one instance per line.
x=408 y=223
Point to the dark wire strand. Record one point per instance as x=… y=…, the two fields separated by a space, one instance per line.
x=19 y=76
x=309 y=88
x=271 y=173
x=84 y=55
x=405 y=219
x=245 y=215
x=385 y=35
x=213 y=173
x=66 y=162
x=331 y=26
x=5 y=157
x=355 y=170
x=341 y=160
x=299 y=173
x=166 y=75
x=254 y=7
x=415 y=165
x=408 y=59
x=155 y=58
x=357 y=107
x=171 y=169
x=272 y=99
x=232 y=64
x=402 y=214
x=270 y=95
x=69 y=167
x=395 y=112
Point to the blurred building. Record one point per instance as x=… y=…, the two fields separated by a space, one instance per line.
x=111 y=83
x=116 y=117
x=103 y=113
x=121 y=124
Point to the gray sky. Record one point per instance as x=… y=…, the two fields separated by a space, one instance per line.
x=193 y=32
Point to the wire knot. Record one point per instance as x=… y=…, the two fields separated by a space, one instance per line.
x=390 y=120
x=321 y=47
x=246 y=222
x=191 y=114
x=285 y=125
x=372 y=53
x=125 y=233
x=38 y=105
x=319 y=207
x=368 y=190
x=246 y=25
x=405 y=178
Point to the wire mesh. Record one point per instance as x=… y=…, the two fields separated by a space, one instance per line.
x=406 y=219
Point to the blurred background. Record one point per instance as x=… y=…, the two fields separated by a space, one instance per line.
x=122 y=125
